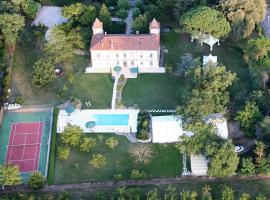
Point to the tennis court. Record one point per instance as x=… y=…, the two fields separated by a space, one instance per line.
x=25 y=140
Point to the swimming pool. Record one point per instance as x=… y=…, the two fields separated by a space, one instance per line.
x=111 y=119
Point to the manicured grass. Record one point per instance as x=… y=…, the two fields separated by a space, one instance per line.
x=118 y=161
x=94 y=87
x=50 y=178
x=153 y=91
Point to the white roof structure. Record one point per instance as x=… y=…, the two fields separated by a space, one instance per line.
x=49 y=16
x=206 y=38
x=209 y=60
x=166 y=129
x=220 y=122
x=199 y=165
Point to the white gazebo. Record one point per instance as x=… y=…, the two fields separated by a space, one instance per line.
x=205 y=38
x=210 y=60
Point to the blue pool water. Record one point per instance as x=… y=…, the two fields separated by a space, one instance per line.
x=111 y=119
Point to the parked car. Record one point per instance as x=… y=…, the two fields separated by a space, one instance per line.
x=238 y=149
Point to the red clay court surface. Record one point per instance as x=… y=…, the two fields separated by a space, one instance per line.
x=24 y=145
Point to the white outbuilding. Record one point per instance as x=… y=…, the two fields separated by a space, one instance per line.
x=199 y=165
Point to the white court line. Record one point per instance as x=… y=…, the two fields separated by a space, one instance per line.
x=27 y=133
x=12 y=142
x=24 y=146
x=37 y=146
x=18 y=145
x=23 y=160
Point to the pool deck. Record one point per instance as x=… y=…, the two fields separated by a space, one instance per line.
x=81 y=117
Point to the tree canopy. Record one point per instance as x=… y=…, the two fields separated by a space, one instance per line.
x=224 y=161
x=205 y=20
x=10 y=175
x=43 y=72
x=71 y=135
x=140 y=24
x=243 y=15
x=208 y=92
x=10 y=26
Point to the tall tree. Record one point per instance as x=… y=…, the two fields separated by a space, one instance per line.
x=243 y=15
x=208 y=92
x=257 y=48
x=205 y=20
x=140 y=24
x=10 y=175
x=105 y=16
x=224 y=162
x=71 y=135
x=43 y=72
x=182 y=6
x=11 y=25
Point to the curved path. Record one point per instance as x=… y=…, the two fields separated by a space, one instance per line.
x=125 y=183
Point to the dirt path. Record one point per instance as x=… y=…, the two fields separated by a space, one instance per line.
x=115 y=184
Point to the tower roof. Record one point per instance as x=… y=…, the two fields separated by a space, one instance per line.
x=154 y=24
x=97 y=24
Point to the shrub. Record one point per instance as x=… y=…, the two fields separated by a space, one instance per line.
x=36 y=181
x=97 y=161
x=117 y=177
x=112 y=142
x=87 y=144
x=63 y=152
x=143 y=127
x=136 y=174
x=71 y=135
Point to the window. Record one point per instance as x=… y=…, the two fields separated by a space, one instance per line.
x=141 y=56
x=151 y=63
x=125 y=55
x=98 y=55
x=151 y=55
x=117 y=62
x=117 y=55
x=132 y=63
x=141 y=63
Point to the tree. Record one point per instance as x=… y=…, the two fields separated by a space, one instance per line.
x=188 y=195
x=243 y=15
x=227 y=193
x=73 y=11
x=11 y=25
x=153 y=195
x=29 y=7
x=248 y=118
x=10 y=175
x=59 y=47
x=257 y=48
x=88 y=16
x=181 y=6
x=87 y=144
x=205 y=20
x=265 y=125
x=71 y=135
x=123 y=4
x=122 y=14
x=98 y=161
x=261 y=197
x=63 y=152
x=36 y=181
x=245 y=196
x=224 y=162
x=206 y=193
x=207 y=94
x=105 y=16
x=170 y=193
x=248 y=168
x=141 y=153
x=43 y=72
x=112 y=142
x=140 y=24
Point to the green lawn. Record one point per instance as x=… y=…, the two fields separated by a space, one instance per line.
x=153 y=91
x=94 y=87
x=118 y=161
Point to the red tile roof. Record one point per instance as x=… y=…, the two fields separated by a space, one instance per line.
x=125 y=42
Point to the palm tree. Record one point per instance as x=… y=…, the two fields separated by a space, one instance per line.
x=207 y=193
x=141 y=153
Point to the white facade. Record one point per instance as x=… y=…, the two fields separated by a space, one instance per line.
x=125 y=54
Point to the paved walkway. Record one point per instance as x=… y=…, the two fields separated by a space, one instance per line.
x=114 y=92
x=266 y=23
x=129 y=21
x=116 y=184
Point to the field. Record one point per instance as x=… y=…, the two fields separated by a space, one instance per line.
x=118 y=161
